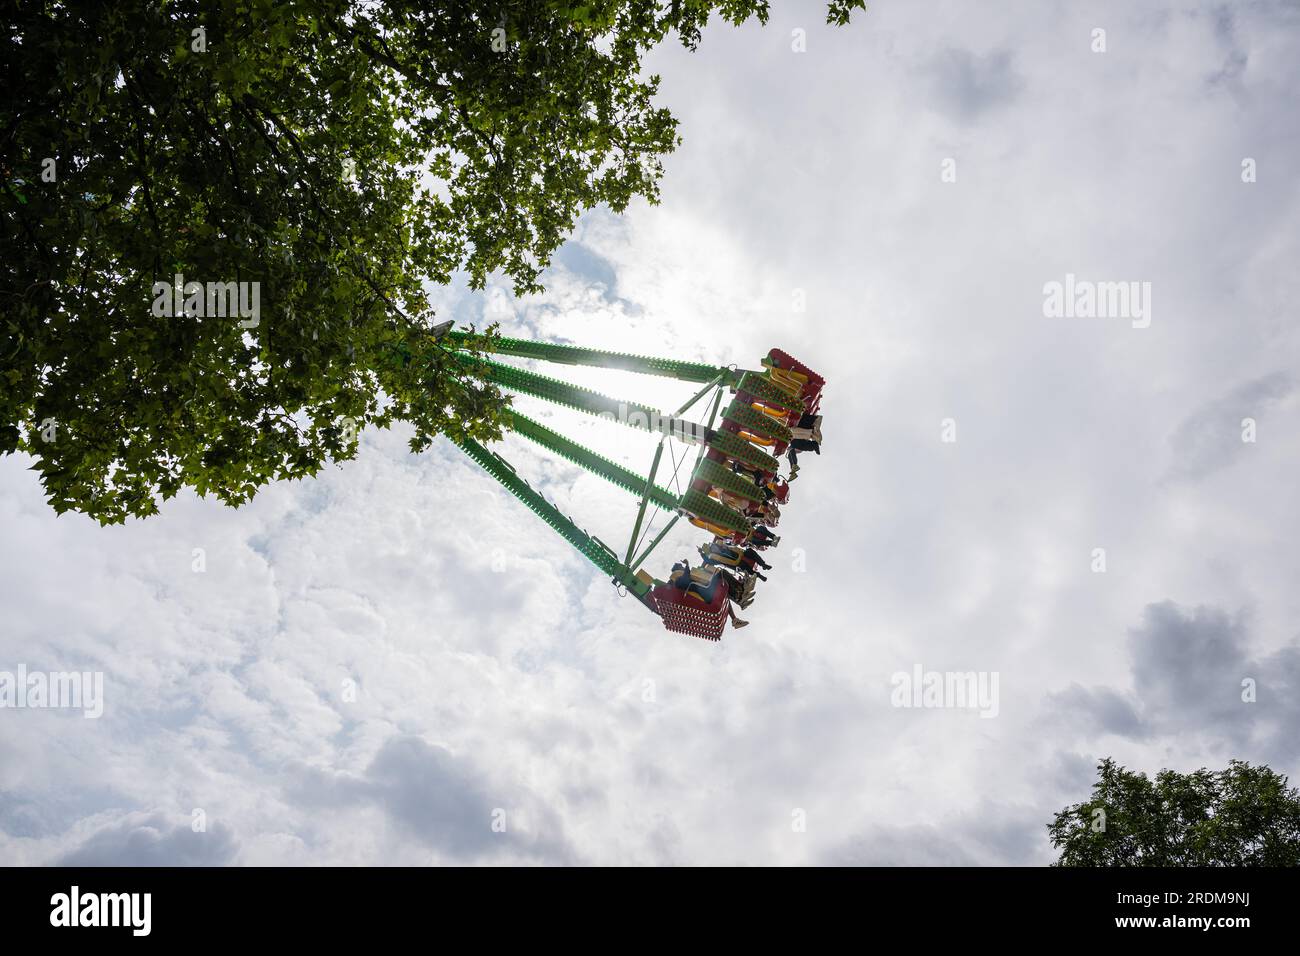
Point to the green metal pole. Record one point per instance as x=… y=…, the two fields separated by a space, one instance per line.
x=645 y=498
x=653 y=544
x=698 y=395
x=713 y=417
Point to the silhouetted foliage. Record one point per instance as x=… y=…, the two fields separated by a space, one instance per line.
x=1241 y=816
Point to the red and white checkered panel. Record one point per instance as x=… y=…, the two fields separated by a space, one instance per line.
x=687 y=614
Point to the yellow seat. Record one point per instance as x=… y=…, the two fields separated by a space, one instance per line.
x=713 y=529
x=788 y=379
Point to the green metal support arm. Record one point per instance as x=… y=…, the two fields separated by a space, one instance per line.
x=596 y=551
x=645 y=499
x=632 y=414
x=625 y=478
x=575 y=355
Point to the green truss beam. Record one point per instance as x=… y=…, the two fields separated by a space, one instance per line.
x=625 y=478
x=595 y=550
x=632 y=414
x=756 y=383
x=575 y=355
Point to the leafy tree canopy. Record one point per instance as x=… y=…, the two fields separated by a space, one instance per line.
x=1241 y=816
x=340 y=155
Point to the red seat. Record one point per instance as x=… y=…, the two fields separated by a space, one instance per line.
x=687 y=613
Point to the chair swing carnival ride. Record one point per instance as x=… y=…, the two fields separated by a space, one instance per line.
x=734 y=490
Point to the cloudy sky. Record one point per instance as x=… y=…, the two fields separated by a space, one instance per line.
x=376 y=666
